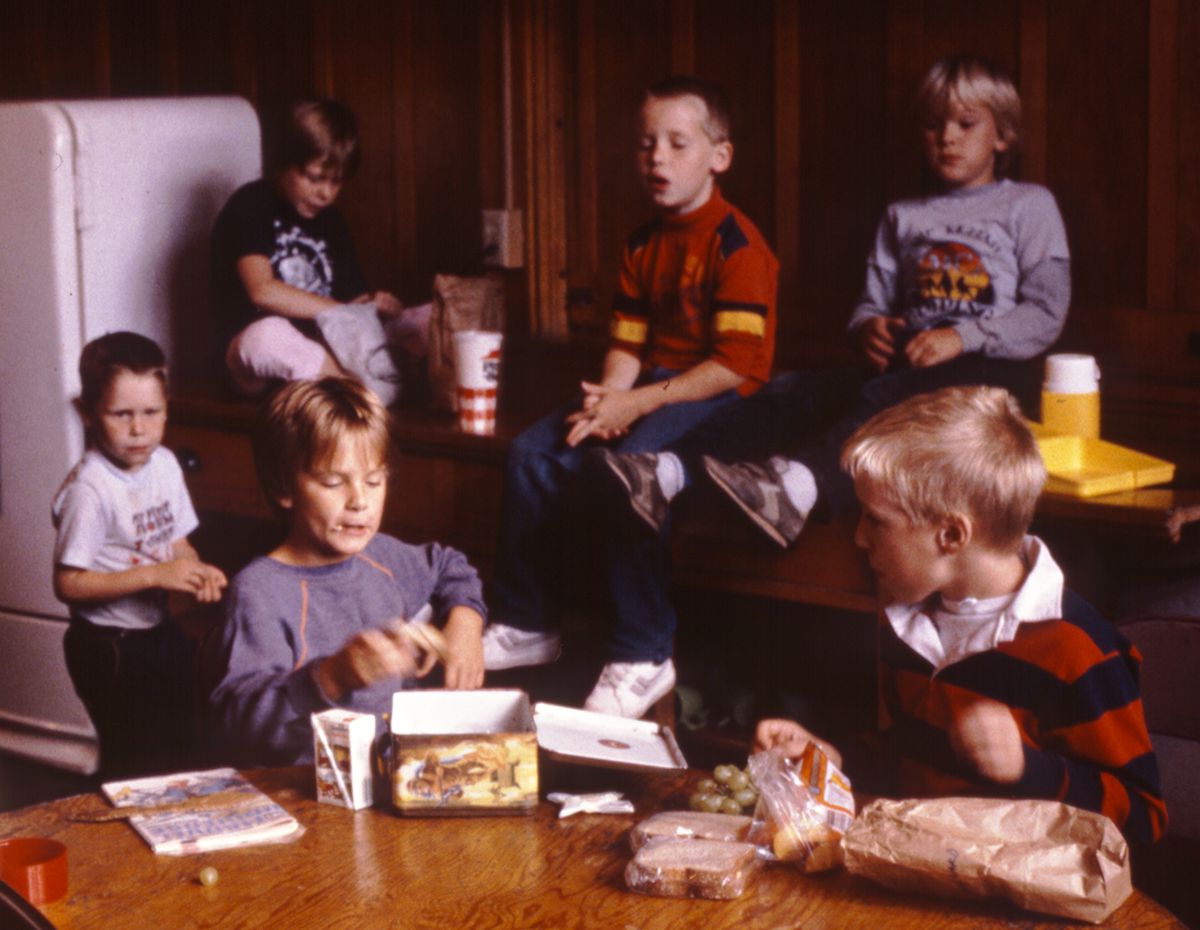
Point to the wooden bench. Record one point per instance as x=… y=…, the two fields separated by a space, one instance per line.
x=450 y=488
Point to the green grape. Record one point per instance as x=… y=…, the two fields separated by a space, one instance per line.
x=706 y=786
x=209 y=876
x=730 y=806
x=712 y=803
x=723 y=773
x=746 y=797
x=737 y=780
x=696 y=801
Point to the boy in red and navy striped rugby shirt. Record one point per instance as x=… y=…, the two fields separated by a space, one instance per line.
x=994 y=678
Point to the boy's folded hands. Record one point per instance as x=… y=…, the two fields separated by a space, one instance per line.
x=607 y=412
x=191 y=576
x=882 y=338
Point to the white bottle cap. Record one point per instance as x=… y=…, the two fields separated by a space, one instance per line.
x=1071 y=374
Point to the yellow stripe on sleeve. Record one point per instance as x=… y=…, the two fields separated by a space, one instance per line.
x=629 y=330
x=740 y=321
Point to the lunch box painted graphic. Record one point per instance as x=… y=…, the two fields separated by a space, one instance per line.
x=476 y=752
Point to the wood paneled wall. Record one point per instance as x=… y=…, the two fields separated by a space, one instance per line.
x=824 y=133
x=825 y=136
x=423 y=78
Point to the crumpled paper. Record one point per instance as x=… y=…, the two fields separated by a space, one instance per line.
x=606 y=802
x=1041 y=855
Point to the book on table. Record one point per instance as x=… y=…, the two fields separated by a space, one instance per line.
x=201 y=811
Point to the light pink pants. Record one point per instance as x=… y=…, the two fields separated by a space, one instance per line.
x=273 y=349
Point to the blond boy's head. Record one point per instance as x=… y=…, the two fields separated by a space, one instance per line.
x=974 y=82
x=304 y=423
x=957 y=451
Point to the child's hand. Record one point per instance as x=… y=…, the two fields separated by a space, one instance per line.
x=606 y=413
x=877 y=339
x=985 y=737
x=933 y=346
x=371 y=656
x=386 y=304
x=790 y=738
x=464 y=645
x=191 y=576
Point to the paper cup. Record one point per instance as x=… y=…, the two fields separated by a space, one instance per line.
x=477 y=376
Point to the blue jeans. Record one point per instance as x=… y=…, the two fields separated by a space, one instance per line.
x=808 y=415
x=532 y=534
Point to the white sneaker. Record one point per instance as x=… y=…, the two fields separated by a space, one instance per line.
x=630 y=689
x=508 y=647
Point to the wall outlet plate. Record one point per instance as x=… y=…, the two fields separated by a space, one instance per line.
x=503 y=239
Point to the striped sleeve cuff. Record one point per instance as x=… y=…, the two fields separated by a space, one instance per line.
x=730 y=317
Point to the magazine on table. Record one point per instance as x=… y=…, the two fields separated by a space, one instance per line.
x=201 y=811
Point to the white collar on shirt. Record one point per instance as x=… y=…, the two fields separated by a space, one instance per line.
x=1038 y=598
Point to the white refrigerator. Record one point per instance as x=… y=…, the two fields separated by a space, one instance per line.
x=105 y=212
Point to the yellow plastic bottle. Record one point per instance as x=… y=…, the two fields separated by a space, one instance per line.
x=1071 y=395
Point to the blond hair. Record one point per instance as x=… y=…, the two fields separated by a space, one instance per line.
x=302 y=425
x=972 y=81
x=964 y=450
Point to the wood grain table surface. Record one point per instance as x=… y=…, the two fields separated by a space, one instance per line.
x=372 y=868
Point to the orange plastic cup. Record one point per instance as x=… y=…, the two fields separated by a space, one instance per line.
x=36 y=867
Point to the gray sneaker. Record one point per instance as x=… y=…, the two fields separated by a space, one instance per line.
x=755 y=487
x=508 y=647
x=630 y=689
x=638 y=474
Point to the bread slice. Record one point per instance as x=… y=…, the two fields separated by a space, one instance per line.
x=695 y=868
x=731 y=828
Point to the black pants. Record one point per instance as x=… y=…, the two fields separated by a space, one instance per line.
x=139 y=687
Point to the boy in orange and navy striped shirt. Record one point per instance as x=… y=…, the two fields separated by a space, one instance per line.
x=994 y=679
x=693 y=330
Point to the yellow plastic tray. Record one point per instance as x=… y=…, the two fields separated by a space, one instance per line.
x=1083 y=467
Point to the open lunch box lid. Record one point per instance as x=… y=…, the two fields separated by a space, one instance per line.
x=564 y=733
x=1080 y=466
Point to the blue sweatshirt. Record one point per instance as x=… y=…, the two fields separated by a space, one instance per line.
x=280 y=620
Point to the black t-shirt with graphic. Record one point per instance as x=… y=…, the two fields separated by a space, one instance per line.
x=314 y=255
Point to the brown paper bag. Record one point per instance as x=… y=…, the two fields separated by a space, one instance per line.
x=1041 y=855
x=459 y=304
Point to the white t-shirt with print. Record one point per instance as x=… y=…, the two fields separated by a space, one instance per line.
x=111 y=519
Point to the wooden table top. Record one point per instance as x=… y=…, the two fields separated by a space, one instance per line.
x=372 y=868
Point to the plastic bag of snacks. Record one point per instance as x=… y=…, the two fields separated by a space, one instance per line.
x=804 y=808
x=685 y=825
x=689 y=867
